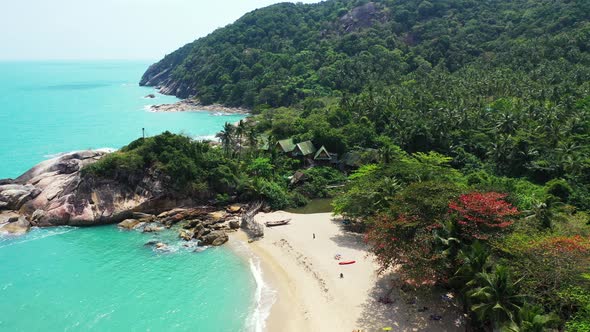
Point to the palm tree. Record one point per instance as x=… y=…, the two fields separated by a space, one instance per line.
x=474 y=260
x=496 y=299
x=239 y=130
x=532 y=319
x=226 y=136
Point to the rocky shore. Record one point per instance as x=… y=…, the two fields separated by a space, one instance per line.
x=192 y=105
x=206 y=225
x=57 y=192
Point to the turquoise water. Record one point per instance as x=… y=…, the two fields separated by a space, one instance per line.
x=53 y=107
x=101 y=278
x=104 y=279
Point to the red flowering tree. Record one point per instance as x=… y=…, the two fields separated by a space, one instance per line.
x=480 y=215
x=404 y=237
x=407 y=244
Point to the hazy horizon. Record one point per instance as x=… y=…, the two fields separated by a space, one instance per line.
x=35 y=30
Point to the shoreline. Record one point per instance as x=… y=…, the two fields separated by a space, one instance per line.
x=192 y=105
x=310 y=295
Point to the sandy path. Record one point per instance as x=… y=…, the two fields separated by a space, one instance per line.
x=313 y=297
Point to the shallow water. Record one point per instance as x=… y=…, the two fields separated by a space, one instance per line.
x=101 y=278
x=47 y=108
x=105 y=279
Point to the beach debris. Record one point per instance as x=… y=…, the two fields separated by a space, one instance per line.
x=448 y=297
x=435 y=317
x=388 y=328
x=337 y=257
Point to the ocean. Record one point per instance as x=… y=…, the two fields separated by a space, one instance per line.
x=102 y=278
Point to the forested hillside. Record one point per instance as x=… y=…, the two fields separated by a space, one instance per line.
x=469 y=120
x=283 y=53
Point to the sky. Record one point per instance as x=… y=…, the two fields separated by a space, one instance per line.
x=111 y=29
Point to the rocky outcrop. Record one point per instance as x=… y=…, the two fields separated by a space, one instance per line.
x=159 y=75
x=58 y=192
x=188 y=105
x=361 y=17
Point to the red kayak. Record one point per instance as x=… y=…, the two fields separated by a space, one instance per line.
x=347 y=263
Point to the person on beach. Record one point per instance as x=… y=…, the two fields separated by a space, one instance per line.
x=341 y=275
x=314 y=236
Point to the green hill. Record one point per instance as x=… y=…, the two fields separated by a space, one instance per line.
x=281 y=54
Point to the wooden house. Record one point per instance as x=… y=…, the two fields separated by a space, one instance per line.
x=323 y=157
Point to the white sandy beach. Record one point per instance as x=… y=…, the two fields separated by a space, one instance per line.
x=312 y=296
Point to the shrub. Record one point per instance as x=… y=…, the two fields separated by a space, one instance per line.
x=559 y=188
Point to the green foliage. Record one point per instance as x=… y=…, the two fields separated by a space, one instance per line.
x=496 y=296
x=275 y=194
x=261 y=167
x=369 y=191
x=576 y=301
x=317 y=179
x=189 y=166
x=559 y=188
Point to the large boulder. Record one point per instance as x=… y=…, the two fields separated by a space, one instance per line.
x=215 y=238
x=234 y=224
x=129 y=223
x=8 y=216
x=13 y=196
x=57 y=192
x=233 y=209
x=19 y=227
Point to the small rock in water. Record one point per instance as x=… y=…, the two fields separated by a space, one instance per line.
x=151 y=228
x=128 y=223
x=151 y=96
x=186 y=234
x=161 y=246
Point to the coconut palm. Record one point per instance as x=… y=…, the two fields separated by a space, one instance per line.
x=239 y=131
x=474 y=260
x=532 y=319
x=496 y=299
x=226 y=136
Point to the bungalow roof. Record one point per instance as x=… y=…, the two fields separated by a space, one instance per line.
x=287 y=145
